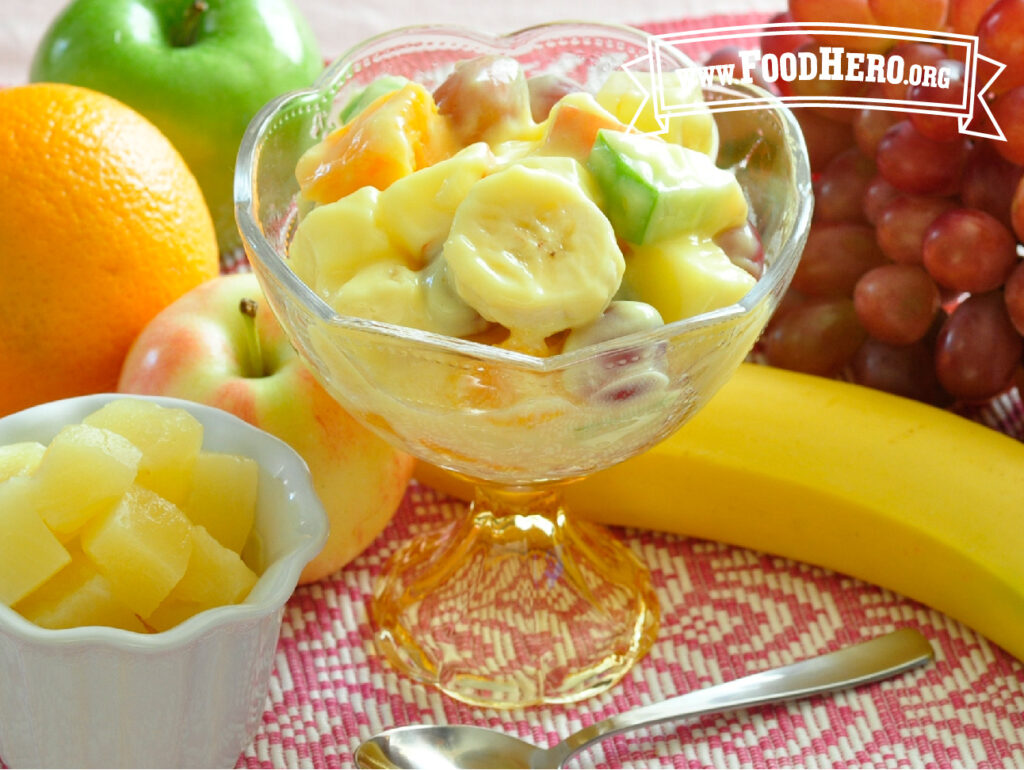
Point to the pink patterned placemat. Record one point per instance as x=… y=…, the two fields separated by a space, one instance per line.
x=726 y=612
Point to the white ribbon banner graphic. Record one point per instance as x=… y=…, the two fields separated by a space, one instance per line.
x=833 y=61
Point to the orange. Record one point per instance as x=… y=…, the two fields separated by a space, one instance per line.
x=102 y=225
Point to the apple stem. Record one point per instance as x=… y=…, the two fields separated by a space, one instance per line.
x=247 y=306
x=190 y=26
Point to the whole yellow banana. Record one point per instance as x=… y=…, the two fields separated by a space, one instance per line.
x=888 y=490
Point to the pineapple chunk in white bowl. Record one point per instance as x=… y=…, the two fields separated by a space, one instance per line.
x=189 y=696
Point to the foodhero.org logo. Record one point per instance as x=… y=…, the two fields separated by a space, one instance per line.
x=954 y=88
x=828 y=63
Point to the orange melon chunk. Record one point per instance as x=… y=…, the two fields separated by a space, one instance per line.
x=573 y=124
x=29 y=552
x=169 y=438
x=399 y=132
x=142 y=546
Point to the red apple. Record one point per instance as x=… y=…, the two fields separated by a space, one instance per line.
x=204 y=347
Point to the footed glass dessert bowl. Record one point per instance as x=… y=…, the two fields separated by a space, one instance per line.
x=516 y=603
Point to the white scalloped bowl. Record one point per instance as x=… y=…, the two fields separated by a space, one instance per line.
x=192 y=696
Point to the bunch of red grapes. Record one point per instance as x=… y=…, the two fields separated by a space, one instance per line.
x=911 y=281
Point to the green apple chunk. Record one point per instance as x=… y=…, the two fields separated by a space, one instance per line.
x=198 y=69
x=655 y=191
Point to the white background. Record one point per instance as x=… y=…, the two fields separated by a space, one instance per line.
x=339 y=24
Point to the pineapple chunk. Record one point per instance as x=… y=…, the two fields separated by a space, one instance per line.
x=83 y=472
x=223 y=497
x=170 y=440
x=29 y=552
x=684 y=277
x=20 y=459
x=215 y=576
x=77 y=596
x=325 y=261
x=171 y=612
x=142 y=546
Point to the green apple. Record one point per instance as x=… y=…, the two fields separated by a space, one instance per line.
x=198 y=69
x=221 y=345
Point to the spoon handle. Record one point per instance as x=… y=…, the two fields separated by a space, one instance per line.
x=851 y=666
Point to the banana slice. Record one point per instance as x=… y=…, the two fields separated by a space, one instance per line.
x=528 y=249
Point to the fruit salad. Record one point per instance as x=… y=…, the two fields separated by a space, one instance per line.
x=124 y=520
x=521 y=212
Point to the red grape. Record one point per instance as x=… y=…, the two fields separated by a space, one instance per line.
x=921 y=54
x=877 y=196
x=902 y=223
x=964 y=15
x=916 y=164
x=1001 y=37
x=978 y=349
x=969 y=250
x=1008 y=112
x=910 y=280
x=790 y=300
x=545 y=91
x=780 y=40
x=896 y=303
x=743 y=247
x=869 y=126
x=819 y=87
x=816 y=337
x=1017 y=211
x=941 y=128
x=1013 y=296
x=824 y=138
x=919 y=14
x=842 y=11
x=834 y=259
x=839 y=191
x=989 y=182
x=730 y=54
x=906 y=370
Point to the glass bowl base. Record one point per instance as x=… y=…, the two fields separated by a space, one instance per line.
x=516 y=605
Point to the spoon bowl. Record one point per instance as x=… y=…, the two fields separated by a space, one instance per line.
x=468 y=746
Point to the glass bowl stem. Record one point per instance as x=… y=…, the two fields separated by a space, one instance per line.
x=516 y=603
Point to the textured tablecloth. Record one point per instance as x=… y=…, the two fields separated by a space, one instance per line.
x=726 y=612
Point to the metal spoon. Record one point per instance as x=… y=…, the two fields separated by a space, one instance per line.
x=467 y=746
